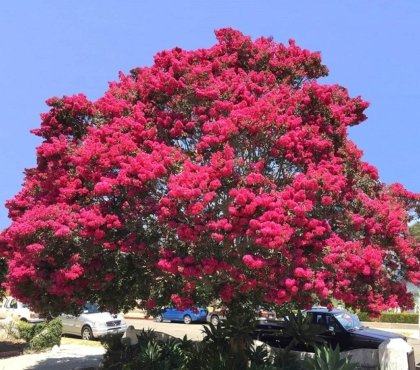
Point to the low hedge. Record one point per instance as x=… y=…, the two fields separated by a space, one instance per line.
x=405 y=318
x=41 y=336
x=400 y=318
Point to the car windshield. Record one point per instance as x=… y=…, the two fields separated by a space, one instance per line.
x=90 y=308
x=348 y=321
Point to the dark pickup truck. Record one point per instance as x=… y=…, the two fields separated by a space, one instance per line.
x=341 y=327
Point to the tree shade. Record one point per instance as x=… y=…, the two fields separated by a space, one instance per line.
x=221 y=173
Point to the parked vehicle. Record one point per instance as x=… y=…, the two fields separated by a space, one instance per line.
x=219 y=315
x=341 y=327
x=92 y=323
x=188 y=316
x=216 y=316
x=12 y=308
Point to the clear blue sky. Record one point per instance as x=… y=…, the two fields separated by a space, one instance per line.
x=54 y=48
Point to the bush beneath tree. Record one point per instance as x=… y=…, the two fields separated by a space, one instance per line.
x=156 y=350
x=41 y=336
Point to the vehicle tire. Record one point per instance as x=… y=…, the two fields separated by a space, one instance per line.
x=87 y=333
x=187 y=319
x=214 y=320
x=159 y=318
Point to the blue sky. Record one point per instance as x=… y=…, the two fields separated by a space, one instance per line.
x=54 y=48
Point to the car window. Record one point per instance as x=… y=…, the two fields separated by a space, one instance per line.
x=13 y=303
x=90 y=308
x=348 y=321
x=320 y=320
x=332 y=323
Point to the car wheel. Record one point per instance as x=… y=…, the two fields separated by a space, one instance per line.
x=159 y=318
x=87 y=333
x=214 y=320
x=187 y=319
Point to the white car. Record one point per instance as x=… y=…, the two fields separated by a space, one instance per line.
x=92 y=323
x=14 y=309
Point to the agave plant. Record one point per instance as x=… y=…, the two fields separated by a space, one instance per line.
x=327 y=358
x=259 y=356
x=301 y=331
x=150 y=357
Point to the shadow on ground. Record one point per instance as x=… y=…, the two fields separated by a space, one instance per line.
x=88 y=362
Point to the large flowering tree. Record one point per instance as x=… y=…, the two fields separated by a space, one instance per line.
x=215 y=173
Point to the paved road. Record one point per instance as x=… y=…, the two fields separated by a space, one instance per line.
x=68 y=357
x=193 y=331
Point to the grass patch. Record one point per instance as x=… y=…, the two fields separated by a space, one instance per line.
x=87 y=343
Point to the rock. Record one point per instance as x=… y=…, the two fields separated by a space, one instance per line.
x=130 y=336
x=55 y=349
x=396 y=354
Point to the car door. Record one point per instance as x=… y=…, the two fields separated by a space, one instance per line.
x=170 y=314
x=3 y=309
x=80 y=321
x=335 y=334
x=11 y=308
x=69 y=324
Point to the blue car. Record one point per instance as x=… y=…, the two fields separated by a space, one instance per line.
x=188 y=316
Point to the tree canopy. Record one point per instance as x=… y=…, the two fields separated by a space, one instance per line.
x=221 y=173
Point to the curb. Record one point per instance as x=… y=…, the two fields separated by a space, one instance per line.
x=138 y=318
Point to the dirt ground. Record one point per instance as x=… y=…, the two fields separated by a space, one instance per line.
x=9 y=345
x=10 y=348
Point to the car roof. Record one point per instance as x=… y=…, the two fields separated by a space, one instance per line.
x=324 y=310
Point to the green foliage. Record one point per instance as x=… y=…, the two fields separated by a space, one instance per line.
x=327 y=358
x=406 y=318
x=215 y=337
x=229 y=343
x=258 y=355
x=415 y=230
x=114 y=351
x=48 y=337
x=402 y=318
x=153 y=351
x=301 y=330
x=41 y=336
x=364 y=316
x=27 y=330
x=286 y=360
x=225 y=346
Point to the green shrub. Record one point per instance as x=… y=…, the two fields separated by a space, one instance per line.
x=214 y=352
x=49 y=336
x=41 y=336
x=115 y=355
x=405 y=318
x=327 y=358
x=402 y=318
x=27 y=330
x=363 y=316
x=153 y=351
